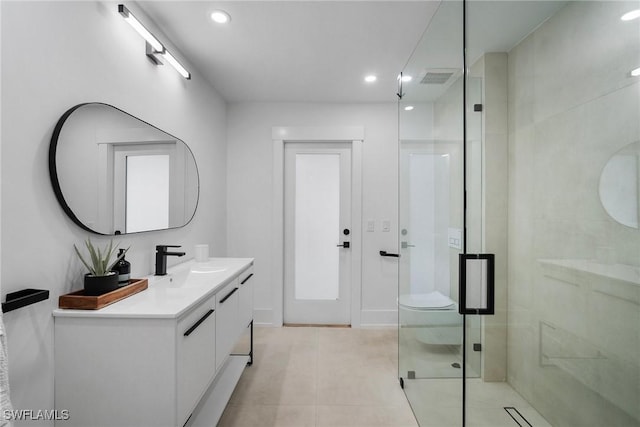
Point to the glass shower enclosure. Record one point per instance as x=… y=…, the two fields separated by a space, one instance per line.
x=519 y=136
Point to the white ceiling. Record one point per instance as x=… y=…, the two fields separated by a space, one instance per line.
x=320 y=51
x=307 y=51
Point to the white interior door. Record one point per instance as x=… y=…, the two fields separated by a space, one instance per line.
x=317 y=233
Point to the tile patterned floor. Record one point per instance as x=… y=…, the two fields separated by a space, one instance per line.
x=343 y=377
x=338 y=377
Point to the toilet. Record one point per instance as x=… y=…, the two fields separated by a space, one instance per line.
x=434 y=315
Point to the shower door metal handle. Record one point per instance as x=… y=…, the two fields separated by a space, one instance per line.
x=477 y=284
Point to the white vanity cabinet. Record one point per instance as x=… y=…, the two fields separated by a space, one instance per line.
x=227 y=326
x=196 y=353
x=245 y=308
x=158 y=358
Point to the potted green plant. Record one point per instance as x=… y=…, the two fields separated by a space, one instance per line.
x=100 y=279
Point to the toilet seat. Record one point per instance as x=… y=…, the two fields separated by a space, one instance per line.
x=430 y=301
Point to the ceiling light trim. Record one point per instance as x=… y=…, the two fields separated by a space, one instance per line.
x=220 y=16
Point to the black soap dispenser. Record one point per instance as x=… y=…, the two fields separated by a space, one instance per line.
x=123 y=267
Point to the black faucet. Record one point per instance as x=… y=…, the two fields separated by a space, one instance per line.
x=161 y=258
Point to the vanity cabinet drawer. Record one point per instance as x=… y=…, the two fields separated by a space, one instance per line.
x=226 y=321
x=245 y=308
x=196 y=353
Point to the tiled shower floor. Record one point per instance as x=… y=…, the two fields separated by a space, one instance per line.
x=437 y=403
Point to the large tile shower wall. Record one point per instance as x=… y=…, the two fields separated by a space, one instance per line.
x=574 y=280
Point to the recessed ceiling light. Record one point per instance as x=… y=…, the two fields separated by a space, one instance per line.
x=634 y=14
x=636 y=72
x=406 y=78
x=220 y=16
x=370 y=78
x=408 y=108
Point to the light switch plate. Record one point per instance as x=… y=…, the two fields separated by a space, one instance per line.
x=371 y=225
x=455 y=238
x=386 y=225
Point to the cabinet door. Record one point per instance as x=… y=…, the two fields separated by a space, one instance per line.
x=226 y=321
x=196 y=356
x=245 y=309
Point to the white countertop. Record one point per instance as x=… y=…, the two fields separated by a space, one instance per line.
x=172 y=295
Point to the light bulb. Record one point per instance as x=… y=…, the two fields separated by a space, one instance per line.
x=174 y=62
x=220 y=16
x=629 y=16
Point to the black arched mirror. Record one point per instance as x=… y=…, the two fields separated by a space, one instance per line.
x=116 y=174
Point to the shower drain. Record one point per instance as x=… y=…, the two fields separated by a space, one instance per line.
x=517 y=416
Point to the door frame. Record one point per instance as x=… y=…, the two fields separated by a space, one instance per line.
x=354 y=136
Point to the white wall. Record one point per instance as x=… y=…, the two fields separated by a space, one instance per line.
x=249 y=200
x=56 y=55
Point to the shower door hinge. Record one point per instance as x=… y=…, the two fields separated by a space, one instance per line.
x=400 y=93
x=477 y=107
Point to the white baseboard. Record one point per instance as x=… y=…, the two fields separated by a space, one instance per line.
x=263 y=317
x=369 y=318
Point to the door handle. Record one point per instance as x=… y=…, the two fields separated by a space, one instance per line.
x=385 y=253
x=476 y=290
x=344 y=245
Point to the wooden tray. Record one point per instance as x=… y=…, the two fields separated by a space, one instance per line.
x=79 y=301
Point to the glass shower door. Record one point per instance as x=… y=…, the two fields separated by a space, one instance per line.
x=532 y=154
x=431 y=195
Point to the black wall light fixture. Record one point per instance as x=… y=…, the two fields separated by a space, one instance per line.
x=154 y=48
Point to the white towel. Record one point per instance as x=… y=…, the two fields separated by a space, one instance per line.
x=5 y=400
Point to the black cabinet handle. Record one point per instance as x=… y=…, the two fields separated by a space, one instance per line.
x=226 y=297
x=195 y=325
x=385 y=253
x=247 y=278
x=345 y=245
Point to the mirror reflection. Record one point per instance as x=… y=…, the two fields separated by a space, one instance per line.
x=115 y=174
x=620 y=184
